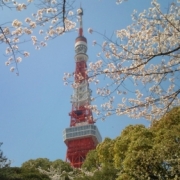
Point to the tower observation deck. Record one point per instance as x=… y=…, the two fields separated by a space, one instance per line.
x=82 y=135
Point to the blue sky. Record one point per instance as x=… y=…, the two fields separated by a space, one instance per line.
x=34 y=106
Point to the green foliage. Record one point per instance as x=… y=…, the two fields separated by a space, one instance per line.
x=104 y=173
x=140 y=153
x=36 y=163
x=16 y=173
x=45 y=164
x=3 y=160
x=105 y=151
x=167 y=142
x=169 y=121
x=57 y=168
x=61 y=164
x=143 y=153
x=92 y=161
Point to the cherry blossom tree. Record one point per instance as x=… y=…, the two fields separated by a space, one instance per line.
x=51 y=19
x=140 y=64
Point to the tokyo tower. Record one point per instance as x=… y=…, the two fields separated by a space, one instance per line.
x=82 y=135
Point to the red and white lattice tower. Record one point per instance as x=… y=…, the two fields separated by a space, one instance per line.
x=82 y=135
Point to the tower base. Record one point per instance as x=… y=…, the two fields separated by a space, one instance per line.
x=78 y=149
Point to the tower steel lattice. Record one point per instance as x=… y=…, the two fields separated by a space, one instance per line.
x=82 y=135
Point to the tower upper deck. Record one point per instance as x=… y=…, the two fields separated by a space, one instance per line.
x=78 y=132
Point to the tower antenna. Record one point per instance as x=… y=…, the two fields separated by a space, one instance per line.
x=80 y=14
